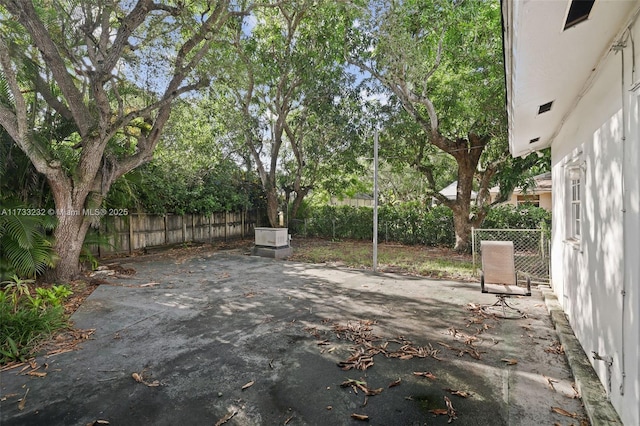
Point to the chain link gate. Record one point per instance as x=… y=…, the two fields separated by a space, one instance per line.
x=531 y=250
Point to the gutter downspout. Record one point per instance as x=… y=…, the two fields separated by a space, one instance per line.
x=619 y=47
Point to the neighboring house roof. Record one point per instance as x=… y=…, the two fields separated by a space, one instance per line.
x=549 y=66
x=542 y=185
x=450 y=191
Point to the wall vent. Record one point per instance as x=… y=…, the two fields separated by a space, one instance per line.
x=545 y=107
x=578 y=12
x=534 y=140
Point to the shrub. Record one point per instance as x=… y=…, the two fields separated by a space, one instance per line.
x=26 y=319
x=517 y=217
x=410 y=223
x=26 y=248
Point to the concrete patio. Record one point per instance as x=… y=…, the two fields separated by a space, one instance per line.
x=224 y=338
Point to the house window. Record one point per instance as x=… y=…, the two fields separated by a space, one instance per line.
x=575 y=203
x=529 y=200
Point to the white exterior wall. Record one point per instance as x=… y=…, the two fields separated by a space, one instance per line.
x=591 y=276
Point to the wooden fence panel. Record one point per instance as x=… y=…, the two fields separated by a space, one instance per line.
x=137 y=231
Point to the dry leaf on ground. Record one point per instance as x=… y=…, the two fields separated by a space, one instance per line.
x=426 y=374
x=463 y=394
x=395 y=383
x=564 y=412
x=226 y=418
x=23 y=401
x=248 y=385
x=362 y=417
x=451 y=412
x=510 y=361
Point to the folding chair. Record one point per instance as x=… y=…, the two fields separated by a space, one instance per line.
x=499 y=276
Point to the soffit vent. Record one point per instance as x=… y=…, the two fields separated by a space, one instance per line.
x=578 y=12
x=534 y=140
x=545 y=107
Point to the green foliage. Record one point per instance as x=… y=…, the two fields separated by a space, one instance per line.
x=409 y=223
x=189 y=173
x=93 y=240
x=517 y=217
x=25 y=246
x=26 y=319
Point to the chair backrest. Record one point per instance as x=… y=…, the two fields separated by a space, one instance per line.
x=498 y=262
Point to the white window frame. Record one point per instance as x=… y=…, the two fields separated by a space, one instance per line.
x=575 y=201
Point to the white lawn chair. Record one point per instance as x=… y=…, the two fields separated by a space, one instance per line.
x=499 y=276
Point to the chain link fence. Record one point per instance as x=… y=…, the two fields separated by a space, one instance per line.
x=531 y=250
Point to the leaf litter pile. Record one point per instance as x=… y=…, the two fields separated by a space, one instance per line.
x=366 y=345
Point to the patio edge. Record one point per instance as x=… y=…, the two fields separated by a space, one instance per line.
x=595 y=399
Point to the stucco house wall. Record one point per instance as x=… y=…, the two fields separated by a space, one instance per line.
x=597 y=277
x=587 y=75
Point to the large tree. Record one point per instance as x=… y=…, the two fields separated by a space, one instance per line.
x=109 y=71
x=285 y=91
x=441 y=62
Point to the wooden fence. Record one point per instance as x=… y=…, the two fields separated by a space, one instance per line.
x=136 y=231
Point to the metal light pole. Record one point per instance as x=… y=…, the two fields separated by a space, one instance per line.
x=375 y=201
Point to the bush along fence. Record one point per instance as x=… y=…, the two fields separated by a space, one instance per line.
x=137 y=231
x=408 y=223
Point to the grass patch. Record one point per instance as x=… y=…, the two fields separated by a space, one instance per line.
x=435 y=262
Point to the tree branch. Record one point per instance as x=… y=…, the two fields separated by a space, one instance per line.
x=26 y=14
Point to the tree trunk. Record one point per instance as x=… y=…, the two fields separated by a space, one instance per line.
x=272 y=208
x=297 y=202
x=69 y=239
x=75 y=210
x=462 y=228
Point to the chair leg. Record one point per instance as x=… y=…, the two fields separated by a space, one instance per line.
x=502 y=303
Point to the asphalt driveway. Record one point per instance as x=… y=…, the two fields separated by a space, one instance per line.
x=224 y=338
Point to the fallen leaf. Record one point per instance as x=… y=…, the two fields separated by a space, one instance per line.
x=395 y=383
x=362 y=417
x=248 y=385
x=137 y=377
x=426 y=374
x=564 y=412
x=510 y=361
x=149 y=284
x=372 y=392
x=23 y=401
x=36 y=373
x=451 y=412
x=439 y=411
x=463 y=394
x=226 y=418
x=550 y=382
x=286 y=422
